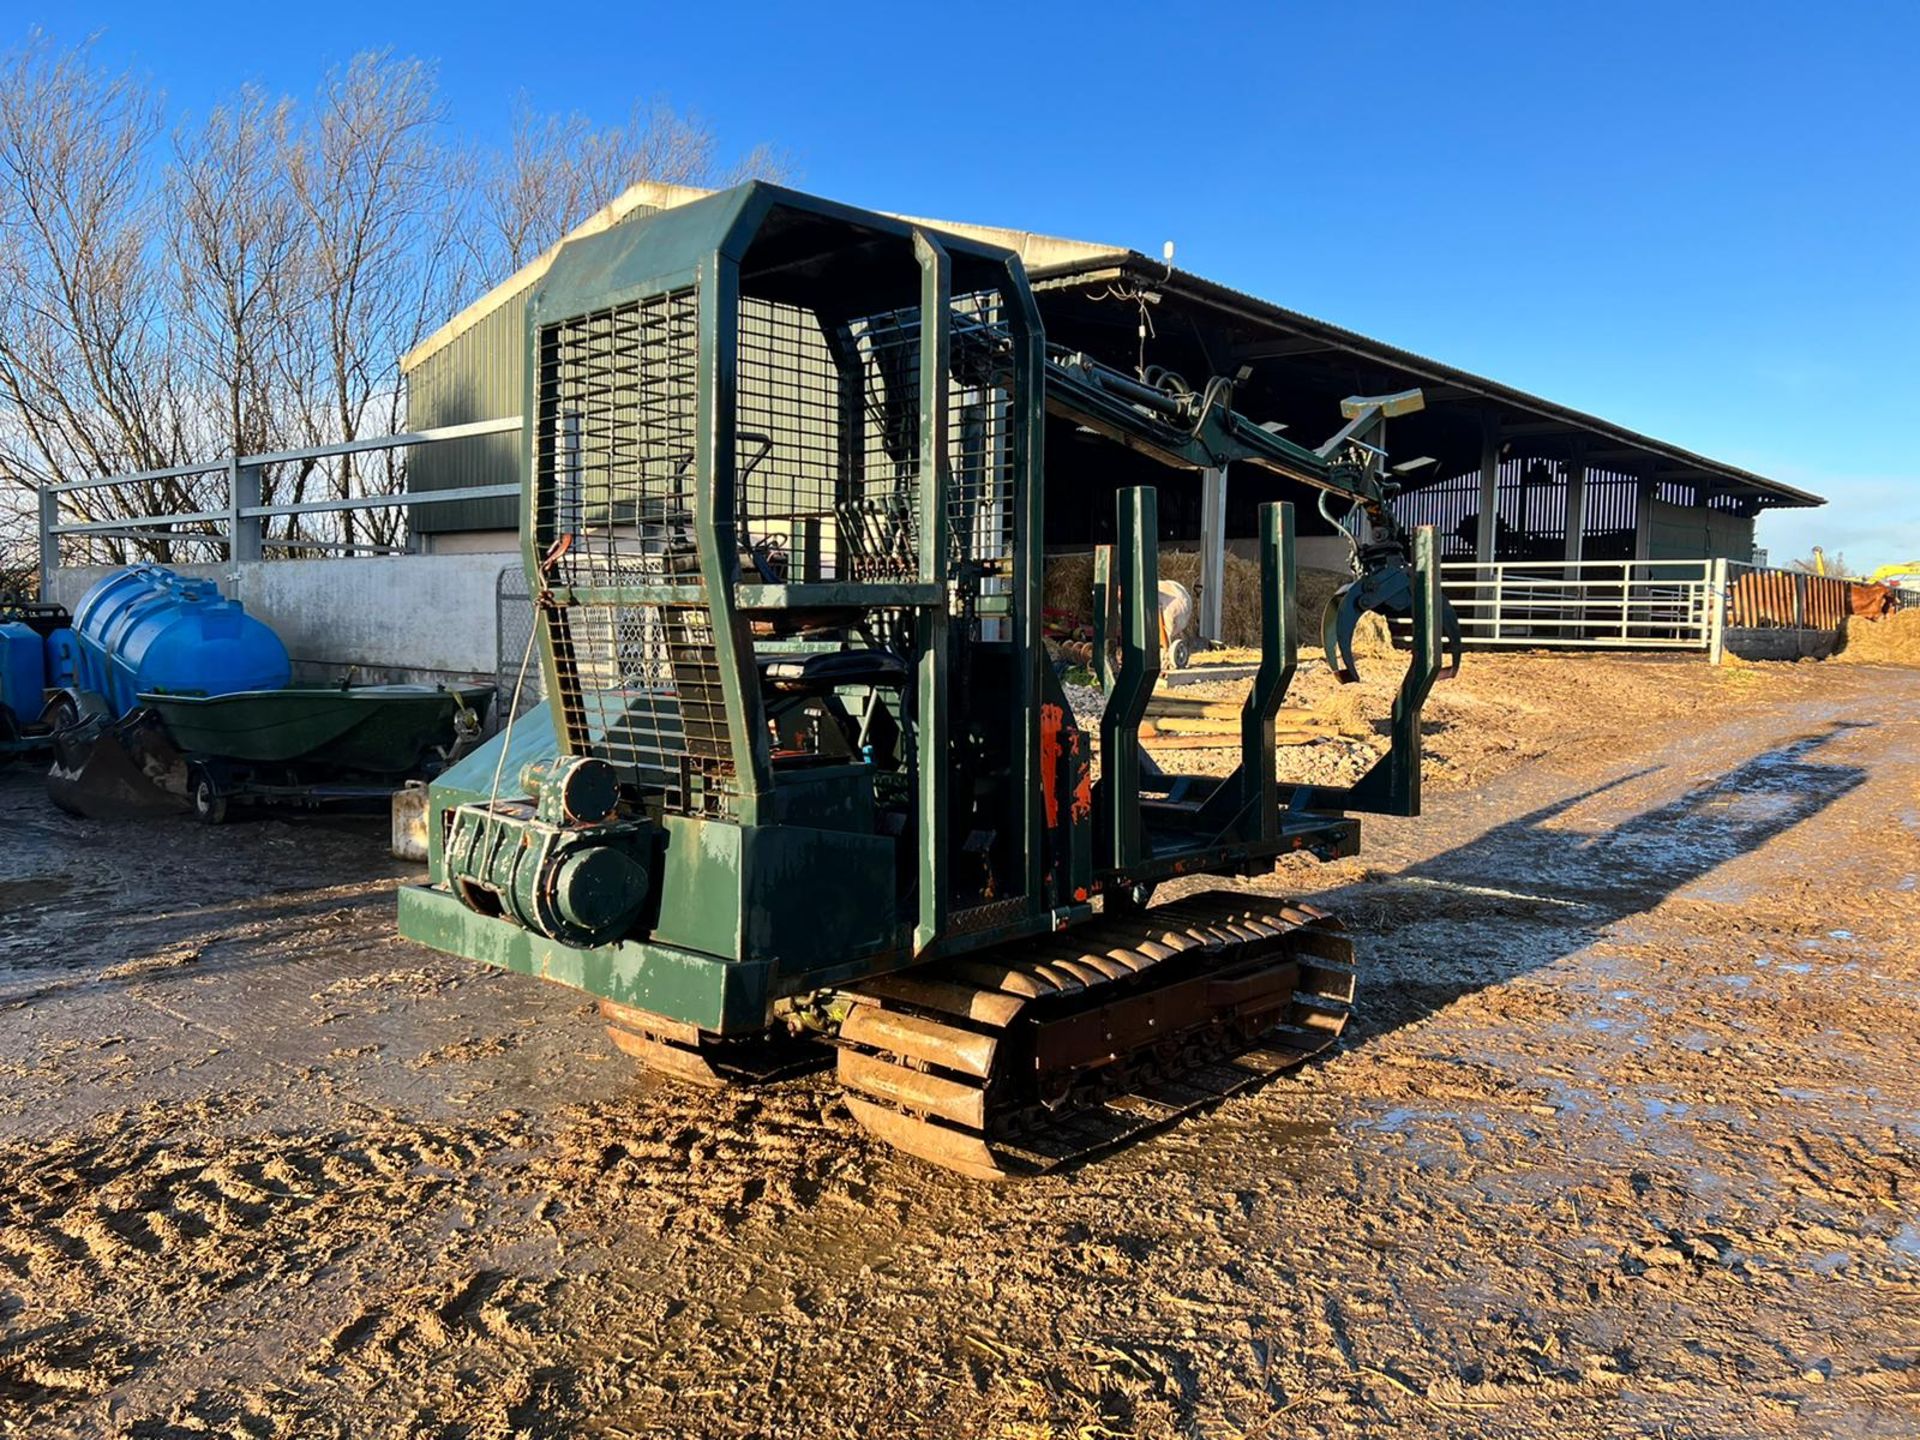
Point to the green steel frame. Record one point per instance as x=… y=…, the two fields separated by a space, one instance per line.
x=780 y=892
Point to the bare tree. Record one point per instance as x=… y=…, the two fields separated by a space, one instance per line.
x=237 y=245
x=1821 y=563
x=556 y=171
x=87 y=368
x=379 y=199
x=250 y=287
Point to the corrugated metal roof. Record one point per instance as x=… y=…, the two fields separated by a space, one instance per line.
x=1136 y=267
x=1054 y=260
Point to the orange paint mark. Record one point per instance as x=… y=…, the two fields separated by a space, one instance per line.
x=1051 y=719
x=1082 y=783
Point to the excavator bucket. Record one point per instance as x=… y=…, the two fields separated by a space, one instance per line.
x=117 y=770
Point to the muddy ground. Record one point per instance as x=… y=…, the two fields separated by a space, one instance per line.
x=1626 y=1140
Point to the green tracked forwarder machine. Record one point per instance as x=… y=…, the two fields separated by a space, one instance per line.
x=805 y=783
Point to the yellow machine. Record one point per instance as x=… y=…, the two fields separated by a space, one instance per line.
x=1900 y=573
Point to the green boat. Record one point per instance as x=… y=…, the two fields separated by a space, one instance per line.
x=365 y=729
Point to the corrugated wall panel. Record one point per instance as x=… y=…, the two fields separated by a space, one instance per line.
x=477 y=376
x=1532 y=497
x=1686 y=532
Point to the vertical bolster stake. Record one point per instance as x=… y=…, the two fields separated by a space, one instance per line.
x=1136 y=576
x=1279 y=654
x=1407 y=705
x=930 y=705
x=1102 y=616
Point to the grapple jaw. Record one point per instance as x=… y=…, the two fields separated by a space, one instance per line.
x=1383 y=586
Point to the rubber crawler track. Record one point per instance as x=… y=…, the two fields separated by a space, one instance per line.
x=1023 y=1059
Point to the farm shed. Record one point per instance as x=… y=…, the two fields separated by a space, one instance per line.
x=1505 y=475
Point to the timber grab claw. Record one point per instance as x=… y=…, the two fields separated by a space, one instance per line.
x=1383 y=586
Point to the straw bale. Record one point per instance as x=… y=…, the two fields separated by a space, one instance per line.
x=1068 y=588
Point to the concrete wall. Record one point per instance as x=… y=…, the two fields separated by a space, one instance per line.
x=400 y=617
x=1780 y=643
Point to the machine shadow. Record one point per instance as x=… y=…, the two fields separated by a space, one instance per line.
x=1533 y=891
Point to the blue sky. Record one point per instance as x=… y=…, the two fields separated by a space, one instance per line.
x=1701 y=221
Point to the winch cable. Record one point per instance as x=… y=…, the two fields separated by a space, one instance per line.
x=547 y=562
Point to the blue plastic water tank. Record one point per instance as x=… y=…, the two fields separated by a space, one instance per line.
x=23 y=670
x=63 y=649
x=147 y=629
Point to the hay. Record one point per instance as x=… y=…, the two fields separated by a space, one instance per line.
x=1345 y=710
x=1892 y=641
x=1068 y=588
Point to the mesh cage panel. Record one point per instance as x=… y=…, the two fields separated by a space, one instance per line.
x=980 y=437
x=786 y=445
x=828 y=443
x=517 y=679
x=880 y=520
x=614 y=480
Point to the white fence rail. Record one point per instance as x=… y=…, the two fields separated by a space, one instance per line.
x=235 y=526
x=1648 y=604
x=1590 y=604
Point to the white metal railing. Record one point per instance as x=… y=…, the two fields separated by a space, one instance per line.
x=1550 y=604
x=1641 y=604
x=236 y=526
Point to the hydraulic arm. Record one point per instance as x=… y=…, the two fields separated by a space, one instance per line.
x=1180 y=426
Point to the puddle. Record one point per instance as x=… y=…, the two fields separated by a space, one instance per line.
x=36 y=892
x=1403 y=1118
x=1906 y=1243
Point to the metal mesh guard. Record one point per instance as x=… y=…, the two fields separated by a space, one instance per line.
x=613 y=502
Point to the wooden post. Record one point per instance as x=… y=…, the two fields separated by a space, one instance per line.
x=1642 y=549
x=1486 y=533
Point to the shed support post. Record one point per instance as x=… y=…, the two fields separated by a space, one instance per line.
x=49 y=542
x=1642 y=542
x=1576 y=540
x=1486 y=533
x=1576 y=512
x=1213 y=554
